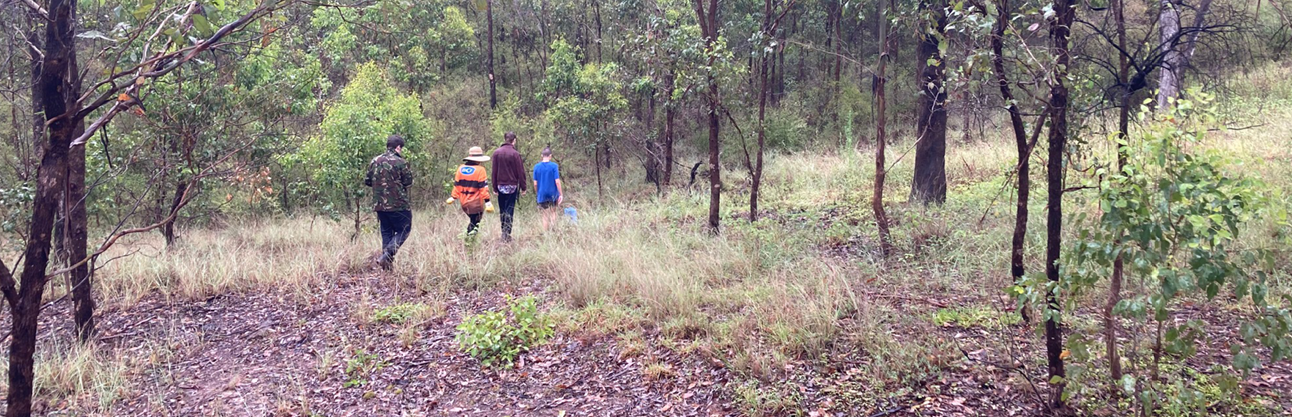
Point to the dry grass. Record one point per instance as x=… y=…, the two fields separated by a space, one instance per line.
x=85 y=376
x=289 y=254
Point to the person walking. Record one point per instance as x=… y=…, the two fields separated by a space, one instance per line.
x=389 y=176
x=509 y=181
x=547 y=185
x=471 y=188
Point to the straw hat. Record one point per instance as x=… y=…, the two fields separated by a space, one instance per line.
x=476 y=154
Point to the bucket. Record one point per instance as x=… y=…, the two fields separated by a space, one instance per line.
x=572 y=214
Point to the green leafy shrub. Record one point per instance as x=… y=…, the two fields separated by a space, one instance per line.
x=360 y=367
x=497 y=337
x=1173 y=214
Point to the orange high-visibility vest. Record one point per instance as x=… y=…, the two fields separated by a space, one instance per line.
x=471 y=188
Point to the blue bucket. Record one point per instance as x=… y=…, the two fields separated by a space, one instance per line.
x=573 y=214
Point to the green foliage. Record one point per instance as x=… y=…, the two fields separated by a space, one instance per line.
x=354 y=130
x=497 y=337
x=974 y=316
x=360 y=367
x=787 y=128
x=13 y=202
x=1173 y=214
x=398 y=313
x=443 y=38
x=584 y=98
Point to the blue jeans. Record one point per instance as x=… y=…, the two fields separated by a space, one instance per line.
x=395 y=226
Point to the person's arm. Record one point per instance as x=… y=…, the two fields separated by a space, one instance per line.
x=457 y=189
x=406 y=176
x=524 y=176
x=493 y=177
x=367 y=179
x=560 y=195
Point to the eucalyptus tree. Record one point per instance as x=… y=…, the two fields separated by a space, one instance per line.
x=145 y=42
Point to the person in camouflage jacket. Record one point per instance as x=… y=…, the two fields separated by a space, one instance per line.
x=389 y=176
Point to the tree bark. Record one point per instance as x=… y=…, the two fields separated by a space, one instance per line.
x=493 y=87
x=837 y=17
x=1123 y=124
x=757 y=174
x=53 y=90
x=168 y=228
x=76 y=220
x=1168 y=21
x=930 y=182
x=709 y=27
x=670 y=114
x=877 y=196
x=1060 y=27
x=1018 y=243
x=596 y=8
x=1175 y=60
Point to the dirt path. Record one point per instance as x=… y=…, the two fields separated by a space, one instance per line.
x=266 y=354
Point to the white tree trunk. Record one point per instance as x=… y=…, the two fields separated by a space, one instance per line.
x=1169 y=83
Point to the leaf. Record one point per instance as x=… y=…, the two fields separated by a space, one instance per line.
x=94 y=34
x=1128 y=384
x=202 y=25
x=145 y=8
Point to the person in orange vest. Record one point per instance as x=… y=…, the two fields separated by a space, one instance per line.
x=471 y=188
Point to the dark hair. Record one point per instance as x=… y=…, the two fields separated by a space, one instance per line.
x=394 y=141
x=547 y=151
x=509 y=137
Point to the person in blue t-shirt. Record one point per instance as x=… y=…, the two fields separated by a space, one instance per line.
x=547 y=185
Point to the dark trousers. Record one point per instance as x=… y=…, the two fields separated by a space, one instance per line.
x=475 y=222
x=507 y=210
x=395 y=226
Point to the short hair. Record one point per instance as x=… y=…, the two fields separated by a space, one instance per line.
x=509 y=137
x=394 y=141
x=547 y=151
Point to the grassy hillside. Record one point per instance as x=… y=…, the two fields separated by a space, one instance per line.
x=798 y=307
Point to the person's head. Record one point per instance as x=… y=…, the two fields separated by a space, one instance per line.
x=395 y=143
x=475 y=156
x=509 y=138
x=547 y=152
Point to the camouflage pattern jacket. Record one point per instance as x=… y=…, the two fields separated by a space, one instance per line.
x=389 y=177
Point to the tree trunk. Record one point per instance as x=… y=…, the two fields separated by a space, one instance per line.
x=654 y=146
x=1123 y=124
x=715 y=167
x=709 y=27
x=757 y=174
x=596 y=9
x=493 y=87
x=670 y=114
x=1168 y=21
x=930 y=182
x=597 y=157
x=1174 y=60
x=168 y=229
x=1017 y=245
x=1060 y=26
x=838 y=43
x=53 y=90
x=877 y=197
x=76 y=220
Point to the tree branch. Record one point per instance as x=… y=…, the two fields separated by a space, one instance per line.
x=171 y=61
